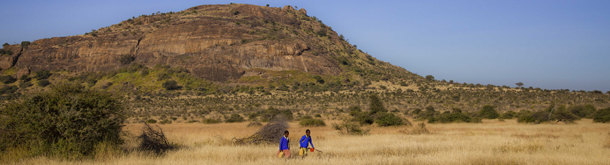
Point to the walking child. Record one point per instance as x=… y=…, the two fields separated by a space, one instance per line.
x=284 y=146
x=304 y=143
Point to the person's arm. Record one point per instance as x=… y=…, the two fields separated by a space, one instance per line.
x=281 y=142
x=311 y=142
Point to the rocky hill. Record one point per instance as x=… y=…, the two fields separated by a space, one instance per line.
x=214 y=42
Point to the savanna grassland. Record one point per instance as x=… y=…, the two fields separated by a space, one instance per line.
x=492 y=142
x=211 y=76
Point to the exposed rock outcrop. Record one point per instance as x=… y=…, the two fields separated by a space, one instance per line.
x=215 y=42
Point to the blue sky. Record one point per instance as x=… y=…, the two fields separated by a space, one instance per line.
x=551 y=44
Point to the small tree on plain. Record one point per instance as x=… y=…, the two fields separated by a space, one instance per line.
x=430 y=77
x=519 y=84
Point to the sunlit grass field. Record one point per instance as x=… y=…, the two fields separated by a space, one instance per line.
x=490 y=142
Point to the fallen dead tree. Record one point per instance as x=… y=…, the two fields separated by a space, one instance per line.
x=152 y=140
x=272 y=132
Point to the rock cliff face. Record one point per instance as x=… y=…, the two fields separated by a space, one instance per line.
x=215 y=42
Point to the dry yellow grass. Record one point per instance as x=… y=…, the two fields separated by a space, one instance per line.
x=492 y=142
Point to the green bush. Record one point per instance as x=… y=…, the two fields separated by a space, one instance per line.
x=347 y=127
x=126 y=59
x=42 y=74
x=456 y=116
x=562 y=114
x=429 y=77
x=25 y=84
x=375 y=105
x=586 y=111
x=235 y=118
x=68 y=121
x=25 y=44
x=170 y=85
x=25 y=78
x=363 y=118
x=354 y=110
x=603 y=115
x=270 y=113
x=428 y=114
x=151 y=121
x=488 y=112
x=508 y=115
x=312 y=122
x=7 y=79
x=210 y=121
x=389 y=119
x=43 y=83
x=8 y=89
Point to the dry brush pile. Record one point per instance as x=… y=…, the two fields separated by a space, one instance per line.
x=272 y=132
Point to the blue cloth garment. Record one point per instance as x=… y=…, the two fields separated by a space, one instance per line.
x=305 y=141
x=284 y=143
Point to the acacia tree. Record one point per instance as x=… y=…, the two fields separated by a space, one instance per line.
x=519 y=84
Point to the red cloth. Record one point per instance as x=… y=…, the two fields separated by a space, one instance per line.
x=286 y=153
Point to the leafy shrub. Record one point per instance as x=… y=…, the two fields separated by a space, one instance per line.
x=235 y=118
x=525 y=117
x=456 y=116
x=25 y=85
x=8 y=89
x=42 y=74
x=126 y=59
x=354 y=110
x=270 y=113
x=25 y=44
x=389 y=119
x=427 y=114
x=429 y=77
x=533 y=117
x=170 y=85
x=151 y=121
x=508 y=115
x=488 y=112
x=7 y=79
x=25 y=78
x=583 y=111
x=603 y=115
x=363 y=118
x=375 y=105
x=350 y=128
x=43 y=83
x=319 y=79
x=68 y=121
x=210 y=121
x=306 y=117
x=562 y=114
x=312 y=122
